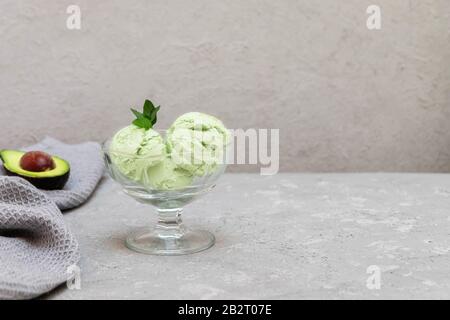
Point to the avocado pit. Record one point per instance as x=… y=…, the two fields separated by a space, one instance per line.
x=37 y=161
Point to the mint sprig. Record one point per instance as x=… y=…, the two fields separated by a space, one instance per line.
x=148 y=118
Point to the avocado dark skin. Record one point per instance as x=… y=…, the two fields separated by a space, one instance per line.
x=50 y=179
x=51 y=183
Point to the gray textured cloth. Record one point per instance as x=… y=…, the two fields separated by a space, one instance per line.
x=86 y=170
x=36 y=247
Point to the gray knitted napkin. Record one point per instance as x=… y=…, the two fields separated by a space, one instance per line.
x=36 y=247
x=86 y=170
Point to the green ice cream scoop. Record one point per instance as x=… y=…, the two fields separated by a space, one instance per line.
x=196 y=142
x=167 y=176
x=133 y=150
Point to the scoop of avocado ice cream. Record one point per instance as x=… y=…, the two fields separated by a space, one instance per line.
x=133 y=150
x=167 y=176
x=196 y=142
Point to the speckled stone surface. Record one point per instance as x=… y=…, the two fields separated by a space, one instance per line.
x=289 y=236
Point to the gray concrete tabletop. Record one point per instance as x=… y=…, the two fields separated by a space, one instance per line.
x=288 y=236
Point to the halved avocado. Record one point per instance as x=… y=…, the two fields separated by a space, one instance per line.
x=54 y=179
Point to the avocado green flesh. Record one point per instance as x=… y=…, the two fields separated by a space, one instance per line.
x=11 y=162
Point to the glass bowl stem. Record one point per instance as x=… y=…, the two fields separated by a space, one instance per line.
x=170 y=223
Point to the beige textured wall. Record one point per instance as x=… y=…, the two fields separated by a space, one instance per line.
x=345 y=98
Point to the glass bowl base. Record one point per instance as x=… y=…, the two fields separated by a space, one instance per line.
x=152 y=242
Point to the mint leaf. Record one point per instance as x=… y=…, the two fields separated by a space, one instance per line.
x=148 y=118
x=153 y=117
x=144 y=123
x=148 y=108
x=137 y=113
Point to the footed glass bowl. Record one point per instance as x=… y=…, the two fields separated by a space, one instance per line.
x=169 y=236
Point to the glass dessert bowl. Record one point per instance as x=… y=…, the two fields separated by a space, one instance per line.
x=169 y=189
